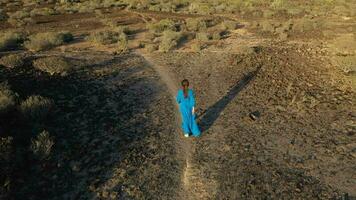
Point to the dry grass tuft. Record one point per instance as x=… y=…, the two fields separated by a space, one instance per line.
x=196 y=24
x=54 y=65
x=104 y=37
x=36 y=108
x=42 y=145
x=10 y=41
x=170 y=40
x=7 y=98
x=45 y=41
x=161 y=26
x=12 y=60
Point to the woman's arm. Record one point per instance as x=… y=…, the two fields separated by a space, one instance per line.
x=178 y=97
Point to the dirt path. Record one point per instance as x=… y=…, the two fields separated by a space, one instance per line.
x=194 y=184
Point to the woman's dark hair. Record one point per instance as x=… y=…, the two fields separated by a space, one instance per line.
x=185 y=86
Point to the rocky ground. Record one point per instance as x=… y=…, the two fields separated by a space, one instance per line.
x=301 y=146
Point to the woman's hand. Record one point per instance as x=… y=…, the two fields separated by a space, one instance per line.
x=193 y=111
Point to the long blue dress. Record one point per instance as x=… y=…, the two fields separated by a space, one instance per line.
x=189 y=125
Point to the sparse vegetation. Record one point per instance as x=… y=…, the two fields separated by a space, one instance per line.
x=123 y=42
x=7 y=98
x=202 y=37
x=170 y=40
x=42 y=145
x=42 y=11
x=12 y=61
x=36 y=108
x=10 y=41
x=45 y=41
x=229 y=25
x=196 y=24
x=161 y=26
x=53 y=65
x=104 y=37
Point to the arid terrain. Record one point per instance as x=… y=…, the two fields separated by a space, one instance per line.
x=88 y=111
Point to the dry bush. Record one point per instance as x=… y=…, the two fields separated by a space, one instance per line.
x=161 y=26
x=267 y=26
x=12 y=60
x=123 y=43
x=202 y=37
x=196 y=24
x=196 y=47
x=36 y=108
x=3 y=15
x=45 y=41
x=229 y=25
x=10 y=40
x=201 y=8
x=43 y=12
x=21 y=14
x=103 y=37
x=54 y=65
x=170 y=40
x=42 y=145
x=7 y=98
x=216 y=35
x=151 y=47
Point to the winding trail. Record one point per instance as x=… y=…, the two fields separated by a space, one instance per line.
x=193 y=184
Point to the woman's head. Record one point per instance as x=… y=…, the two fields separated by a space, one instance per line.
x=185 y=86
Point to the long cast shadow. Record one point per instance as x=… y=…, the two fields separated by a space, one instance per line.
x=211 y=114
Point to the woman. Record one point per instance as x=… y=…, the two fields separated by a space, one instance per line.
x=186 y=101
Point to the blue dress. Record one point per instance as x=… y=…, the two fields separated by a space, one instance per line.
x=189 y=125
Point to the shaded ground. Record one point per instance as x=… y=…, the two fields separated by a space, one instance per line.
x=108 y=131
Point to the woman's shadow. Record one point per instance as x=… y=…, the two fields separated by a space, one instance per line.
x=207 y=118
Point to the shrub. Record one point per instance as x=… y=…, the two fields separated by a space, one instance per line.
x=196 y=24
x=170 y=40
x=229 y=25
x=151 y=47
x=3 y=15
x=122 y=43
x=20 y=14
x=53 y=65
x=202 y=37
x=122 y=29
x=104 y=37
x=216 y=35
x=196 y=47
x=267 y=26
x=45 y=41
x=161 y=26
x=42 y=145
x=42 y=11
x=36 y=107
x=10 y=40
x=7 y=98
x=12 y=61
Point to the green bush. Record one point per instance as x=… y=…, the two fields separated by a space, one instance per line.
x=170 y=40
x=45 y=41
x=53 y=65
x=12 y=61
x=161 y=26
x=42 y=145
x=123 y=43
x=36 y=108
x=104 y=37
x=7 y=98
x=10 y=40
x=196 y=24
